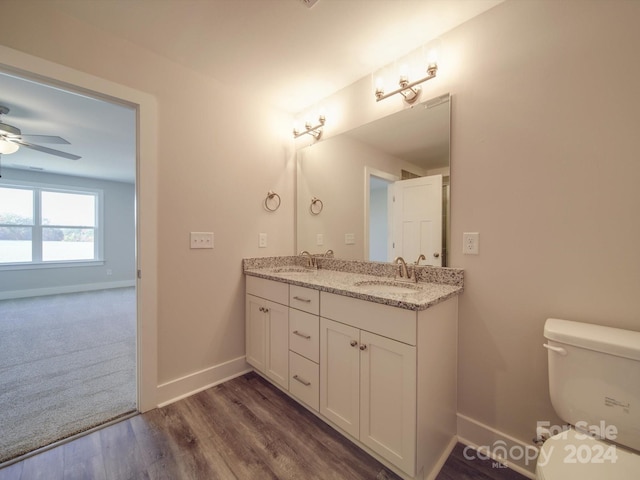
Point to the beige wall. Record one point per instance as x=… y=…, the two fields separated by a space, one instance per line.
x=544 y=165
x=218 y=156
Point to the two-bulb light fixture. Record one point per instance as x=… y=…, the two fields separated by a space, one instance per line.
x=410 y=91
x=314 y=131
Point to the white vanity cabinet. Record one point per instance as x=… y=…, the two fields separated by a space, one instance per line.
x=267 y=328
x=388 y=378
x=385 y=376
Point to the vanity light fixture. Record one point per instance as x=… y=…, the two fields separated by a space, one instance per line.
x=314 y=131
x=409 y=90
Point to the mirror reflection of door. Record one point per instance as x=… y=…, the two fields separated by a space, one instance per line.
x=416 y=219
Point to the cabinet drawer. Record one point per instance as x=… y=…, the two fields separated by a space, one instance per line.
x=304 y=380
x=306 y=299
x=261 y=287
x=304 y=334
x=391 y=322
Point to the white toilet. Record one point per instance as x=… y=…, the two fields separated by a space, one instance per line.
x=594 y=384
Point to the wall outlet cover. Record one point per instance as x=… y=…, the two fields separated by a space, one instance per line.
x=262 y=240
x=471 y=243
x=349 y=238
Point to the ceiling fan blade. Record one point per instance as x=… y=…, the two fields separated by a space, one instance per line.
x=50 y=151
x=45 y=139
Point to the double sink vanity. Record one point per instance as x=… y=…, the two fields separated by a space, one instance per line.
x=372 y=355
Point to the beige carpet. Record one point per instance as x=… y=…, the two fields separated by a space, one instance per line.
x=67 y=364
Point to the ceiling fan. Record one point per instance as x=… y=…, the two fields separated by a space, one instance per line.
x=11 y=138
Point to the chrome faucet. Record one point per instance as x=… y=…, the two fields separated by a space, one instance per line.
x=402 y=267
x=311 y=262
x=421 y=257
x=328 y=253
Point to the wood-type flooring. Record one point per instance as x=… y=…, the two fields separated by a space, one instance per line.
x=244 y=429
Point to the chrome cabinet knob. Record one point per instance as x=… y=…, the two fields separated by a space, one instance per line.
x=353 y=343
x=363 y=347
x=436 y=255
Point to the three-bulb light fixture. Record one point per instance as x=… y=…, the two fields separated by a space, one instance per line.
x=314 y=131
x=410 y=91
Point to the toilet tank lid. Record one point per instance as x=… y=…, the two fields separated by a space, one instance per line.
x=614 y=341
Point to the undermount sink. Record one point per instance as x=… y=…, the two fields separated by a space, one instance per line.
x=388 y=286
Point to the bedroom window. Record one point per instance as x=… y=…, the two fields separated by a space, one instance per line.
x=41 y=225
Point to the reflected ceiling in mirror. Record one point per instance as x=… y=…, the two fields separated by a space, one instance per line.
x=356 y=220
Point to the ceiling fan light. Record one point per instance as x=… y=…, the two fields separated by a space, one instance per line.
x=7 y=147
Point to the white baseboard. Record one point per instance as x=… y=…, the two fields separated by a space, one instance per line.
x=442 y=460
x=188 y=385
x=497 y=445
x=59 y=289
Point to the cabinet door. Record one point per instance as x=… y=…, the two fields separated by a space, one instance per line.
x=339 y=375
x=256 y=333
x=388 y=399
x=277 y=343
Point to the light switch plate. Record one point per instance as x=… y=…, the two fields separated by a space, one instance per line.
x=319 y=239
x=201 y=239
x=471 y=243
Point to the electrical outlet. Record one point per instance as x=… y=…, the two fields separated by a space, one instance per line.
x=471 y=243
x=262 y=240
x=201 y=240
x=319 y=239
x=349 y=238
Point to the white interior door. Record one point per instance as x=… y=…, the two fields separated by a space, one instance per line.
x=416 y=207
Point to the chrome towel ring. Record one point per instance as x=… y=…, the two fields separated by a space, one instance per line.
x=316 y=206
x=272 y=202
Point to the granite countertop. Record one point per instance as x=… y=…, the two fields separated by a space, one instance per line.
x=349 y=283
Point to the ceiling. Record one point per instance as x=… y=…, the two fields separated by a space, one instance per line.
x=291 y=55
x=103 y=134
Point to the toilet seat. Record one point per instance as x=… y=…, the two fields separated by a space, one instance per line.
x=570 y=455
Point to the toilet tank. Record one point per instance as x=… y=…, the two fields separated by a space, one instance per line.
x=594 y=378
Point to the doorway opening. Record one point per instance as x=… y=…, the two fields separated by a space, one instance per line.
x=378 y=214
x=68 y=256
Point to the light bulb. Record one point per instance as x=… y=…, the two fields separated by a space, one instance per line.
x=432 y=56
x=379 y=85
x=7 y=147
